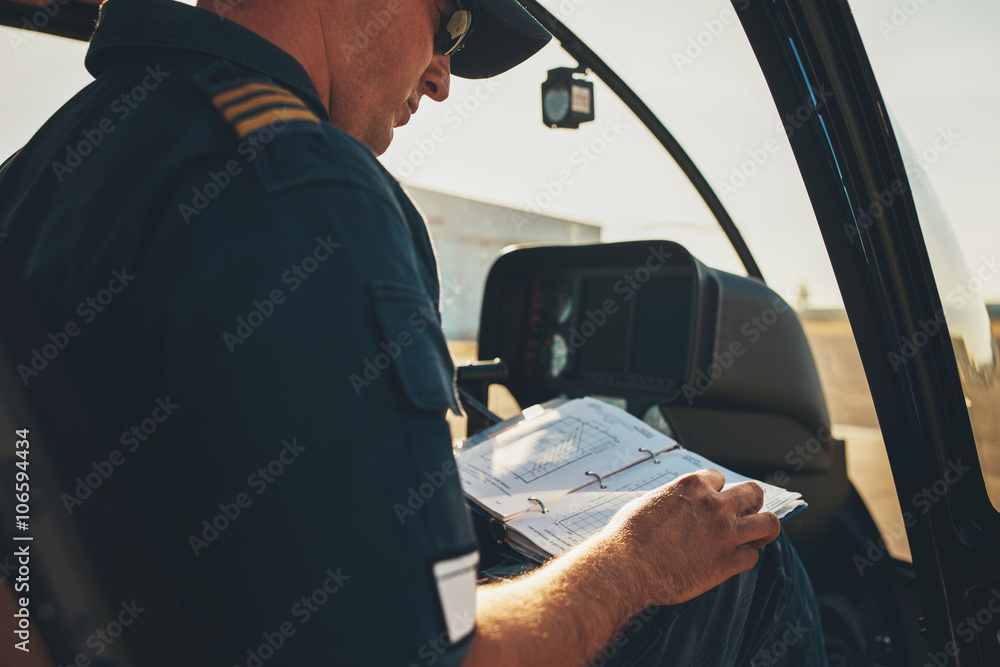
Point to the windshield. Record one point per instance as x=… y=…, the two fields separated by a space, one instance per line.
x=692 y=64
x=949 y=141
x=612 y=172
x=487 y=173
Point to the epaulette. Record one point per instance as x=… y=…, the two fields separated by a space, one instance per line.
x=251 y=105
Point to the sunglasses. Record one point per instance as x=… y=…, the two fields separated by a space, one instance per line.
x=455 y=28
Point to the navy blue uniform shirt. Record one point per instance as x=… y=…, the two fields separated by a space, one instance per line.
x=250 y=308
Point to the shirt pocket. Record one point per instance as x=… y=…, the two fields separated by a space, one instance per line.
x=415 y=344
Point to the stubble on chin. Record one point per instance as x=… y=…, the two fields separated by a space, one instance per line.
x=384 y=145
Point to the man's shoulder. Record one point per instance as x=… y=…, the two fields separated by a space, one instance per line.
x=285 y=142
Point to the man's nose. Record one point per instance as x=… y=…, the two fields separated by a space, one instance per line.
x=436 y=80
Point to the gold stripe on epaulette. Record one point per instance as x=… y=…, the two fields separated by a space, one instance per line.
x=222 y=99
x=287 y=99
x=274 y=115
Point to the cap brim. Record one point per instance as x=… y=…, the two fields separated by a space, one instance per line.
x=505 y=35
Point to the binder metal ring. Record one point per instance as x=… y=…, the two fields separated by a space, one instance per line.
x=540 y=504
x=651 y=454
x=599 y=480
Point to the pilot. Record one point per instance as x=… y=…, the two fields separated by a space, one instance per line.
x=220 y=175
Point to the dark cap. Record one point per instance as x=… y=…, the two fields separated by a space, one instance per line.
x=503 y=35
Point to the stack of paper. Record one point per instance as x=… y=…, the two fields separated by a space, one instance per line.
x=557 y=476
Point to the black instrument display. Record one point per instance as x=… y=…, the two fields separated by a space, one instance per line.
x=609 y=328
x=644 y=323
x=619 y=319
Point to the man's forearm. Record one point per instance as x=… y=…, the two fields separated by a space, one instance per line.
x=561 y=614
x=665 y=547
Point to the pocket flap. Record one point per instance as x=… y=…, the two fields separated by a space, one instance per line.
x=412 y=338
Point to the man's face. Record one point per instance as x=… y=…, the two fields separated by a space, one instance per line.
x=389 y=61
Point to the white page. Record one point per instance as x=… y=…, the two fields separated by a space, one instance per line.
x=574 y=518
x=545 y=459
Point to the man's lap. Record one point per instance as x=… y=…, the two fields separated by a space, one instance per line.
x=762 y=618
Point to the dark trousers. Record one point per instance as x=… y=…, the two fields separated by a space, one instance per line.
x=762 y=618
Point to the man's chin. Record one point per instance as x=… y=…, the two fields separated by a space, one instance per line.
x=382 y=146
x=377 y=142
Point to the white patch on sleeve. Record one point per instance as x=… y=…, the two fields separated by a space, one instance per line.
x=456 y=584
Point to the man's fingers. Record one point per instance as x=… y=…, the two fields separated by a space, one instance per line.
x=758 y=530
x=746 y=557
x=746 y=498
x=714 y=478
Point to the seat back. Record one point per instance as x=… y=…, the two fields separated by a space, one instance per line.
x=718 y=361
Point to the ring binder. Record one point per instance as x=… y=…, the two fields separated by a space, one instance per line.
x=540 y=504
x=578 y=438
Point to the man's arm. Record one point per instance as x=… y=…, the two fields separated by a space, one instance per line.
x=343 y=366
x=666 y=547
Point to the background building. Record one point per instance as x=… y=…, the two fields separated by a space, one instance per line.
x=468 y=235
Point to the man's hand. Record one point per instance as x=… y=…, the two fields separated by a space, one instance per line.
x=689 y=536
x=666 y=547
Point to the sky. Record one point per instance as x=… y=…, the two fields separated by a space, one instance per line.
x=937 y=63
